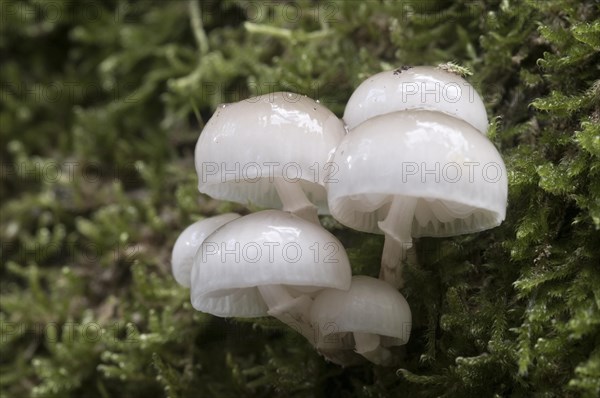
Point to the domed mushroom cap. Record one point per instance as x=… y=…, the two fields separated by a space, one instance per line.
x=270 y=247
x=189 y=241
x=278 y=135
x=421 y=87
x=369 y=306
x=455 y=172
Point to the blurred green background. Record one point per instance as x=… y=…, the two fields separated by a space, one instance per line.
x=101 y=105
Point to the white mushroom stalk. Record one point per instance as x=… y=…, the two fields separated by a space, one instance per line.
x=369 y=346
x=295 y=201
x=436 y=176
x=271 y=151
x=274 y=259
x=375 y=314
x=294 y=312
x=397 y=228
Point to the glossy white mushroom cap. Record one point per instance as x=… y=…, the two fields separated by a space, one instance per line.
x=188 y=242
x=270 y=247
x=369 y=306
x=278 y=135
x=455 y=172
x=420 y=87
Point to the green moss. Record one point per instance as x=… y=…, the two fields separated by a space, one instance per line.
x=101 y=105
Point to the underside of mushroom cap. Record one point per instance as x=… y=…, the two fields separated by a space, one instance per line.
x=369 y=306
x=263 y=193
x=243 y=303
x=420 y=87
x=268 y=248
x=245 y=145
x=455 y=172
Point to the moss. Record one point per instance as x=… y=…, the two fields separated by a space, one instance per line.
x=102 y=103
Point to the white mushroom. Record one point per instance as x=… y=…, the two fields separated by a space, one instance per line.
x=188 y=242
x=368 y=317
x=417 y=173
x=421 y=87
x=270 y=150
x=271 y=256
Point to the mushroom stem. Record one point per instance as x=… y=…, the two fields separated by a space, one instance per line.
x=397 y=227
x=294 y=312
x=368 y=345
x=295 y=201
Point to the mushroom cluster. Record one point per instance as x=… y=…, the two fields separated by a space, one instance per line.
x=409 y=158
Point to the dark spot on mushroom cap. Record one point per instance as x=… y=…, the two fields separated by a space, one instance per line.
x=402 y=68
